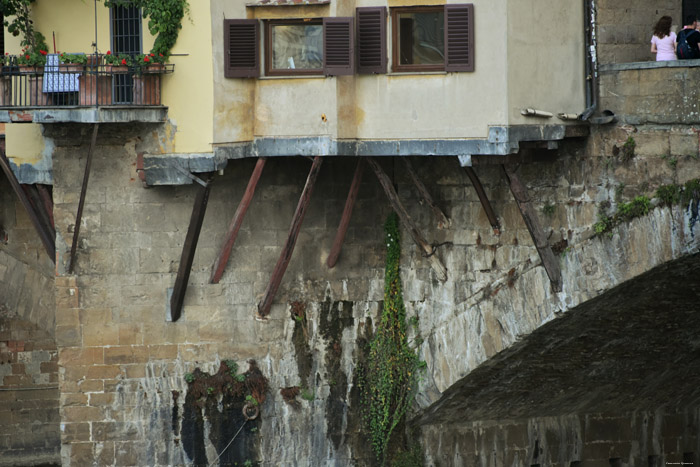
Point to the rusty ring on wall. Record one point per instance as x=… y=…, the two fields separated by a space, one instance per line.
x=250 y=411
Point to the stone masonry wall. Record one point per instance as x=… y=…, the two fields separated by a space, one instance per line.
x=123 y=367
x=625 y=28
x=597 y=440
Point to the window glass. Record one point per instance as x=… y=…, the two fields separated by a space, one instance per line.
x=421 y=37
x=297 y=46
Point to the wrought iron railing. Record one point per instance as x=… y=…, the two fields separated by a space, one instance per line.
x=93 y=84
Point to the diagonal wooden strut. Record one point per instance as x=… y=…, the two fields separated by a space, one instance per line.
x=407 y=222
x=190 y=247
x=485 y=203
x=40 y=208
x=347 y=214
x=235 y=225
x=522 y=198
x=47 y=240
x=81 y=204
x=443 y=221
x=48 y=202
x=282 y=263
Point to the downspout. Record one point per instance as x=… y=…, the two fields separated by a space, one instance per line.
x=591 y=61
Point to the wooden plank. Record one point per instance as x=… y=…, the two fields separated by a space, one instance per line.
x=347 y=214
x=81 y=203
x=522 y=198
x=407 y=222
x=236 y=222
x=443 y=221
x=190 y=247
x=485 y=203
x=283 y=261
x=46 y=239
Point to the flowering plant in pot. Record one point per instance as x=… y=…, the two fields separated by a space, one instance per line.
x=117 y=63
x=72 y=63
x=150 y=62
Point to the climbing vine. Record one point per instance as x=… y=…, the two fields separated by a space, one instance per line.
x=164 y=20
x=389 y=377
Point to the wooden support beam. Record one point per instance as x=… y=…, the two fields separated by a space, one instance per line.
x=47 y=240
x=347 y=214
x=81 y=204
x=236 y=222
x=443 y=221
x=485 y=203
x=283 y=261
x=522 y=198
x=190 y=247
x=407 y=222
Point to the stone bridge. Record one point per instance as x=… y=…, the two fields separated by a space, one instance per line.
x=495 y=336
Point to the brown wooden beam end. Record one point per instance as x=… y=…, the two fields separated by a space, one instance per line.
x=347 y=214
x=283 y=261
x=81 y=204
x=236 y=222
x=442 y=220
x=485 y=203
x=47 y=240
x=522 y=198
x=406 y=220
x=189 y=248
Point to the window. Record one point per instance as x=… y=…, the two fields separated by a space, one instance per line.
x=295 y=47
x=433 y=38
x=126 y=39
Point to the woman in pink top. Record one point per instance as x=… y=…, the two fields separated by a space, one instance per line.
x=663 y=42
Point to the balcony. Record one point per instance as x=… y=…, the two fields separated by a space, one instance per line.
x=93 y=92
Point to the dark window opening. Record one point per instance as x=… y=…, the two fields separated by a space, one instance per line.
x=126 y=39
x=294 y=47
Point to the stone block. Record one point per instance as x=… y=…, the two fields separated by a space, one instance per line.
x=67 y=297
x=80 y=356
x=72 y=432
x=684 y=144
x=162 y=352
x=81 y=414
x=100 y=335
x=130 y=334
x=126 y=354
x=103 y=372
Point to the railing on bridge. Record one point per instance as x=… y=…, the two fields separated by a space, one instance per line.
x=93 y=83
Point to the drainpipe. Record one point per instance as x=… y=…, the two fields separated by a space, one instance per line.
x=591 y=61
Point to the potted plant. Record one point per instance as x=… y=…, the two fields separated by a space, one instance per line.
x=148 y=69
x=72 y=63
x=150 y=63
x=117 y=63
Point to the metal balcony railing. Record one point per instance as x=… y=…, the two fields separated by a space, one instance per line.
x=91 y=85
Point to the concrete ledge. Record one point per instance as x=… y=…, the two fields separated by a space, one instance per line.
x=122 y=114
x=613 y=67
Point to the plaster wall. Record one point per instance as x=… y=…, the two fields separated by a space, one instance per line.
x=545 y=45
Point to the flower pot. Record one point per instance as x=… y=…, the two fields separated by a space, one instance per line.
x=147 y=89
x=154 y=68
x=30 y=69
x=95 y=89
x=71 y=68
x=116 y=69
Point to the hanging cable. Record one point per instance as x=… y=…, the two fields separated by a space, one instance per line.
x=229 y=444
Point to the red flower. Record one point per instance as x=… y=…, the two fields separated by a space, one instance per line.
x=123 y=61
x=43 y=52
x=146 y=59
x=109 y=52
x=151 y=54
x=27 y=57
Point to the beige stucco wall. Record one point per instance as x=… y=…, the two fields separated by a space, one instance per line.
x=546 y=63
x=449 y=105
x=188 y=92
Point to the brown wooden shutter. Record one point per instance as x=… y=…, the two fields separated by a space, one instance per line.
x=241 y=48
x=338 y=50
x=459 y=37
x=371 y=40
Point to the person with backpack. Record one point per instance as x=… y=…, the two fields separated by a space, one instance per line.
x=688 y=40
x=663 y=42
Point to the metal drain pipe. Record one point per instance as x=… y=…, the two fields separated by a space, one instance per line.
x=591 y=61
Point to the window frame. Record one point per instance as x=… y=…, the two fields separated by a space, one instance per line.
x=396 y=65
x=269 y=71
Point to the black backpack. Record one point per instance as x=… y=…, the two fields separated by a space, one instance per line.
x=684 y=50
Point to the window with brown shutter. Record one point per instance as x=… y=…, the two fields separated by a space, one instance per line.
x=433 y=38
x=241 y=48
x=459 y=37
x=338 y=40
x=298 y=47
x=371 y=40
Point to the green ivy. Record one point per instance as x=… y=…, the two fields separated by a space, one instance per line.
x=164 y=20
x=389 y=379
